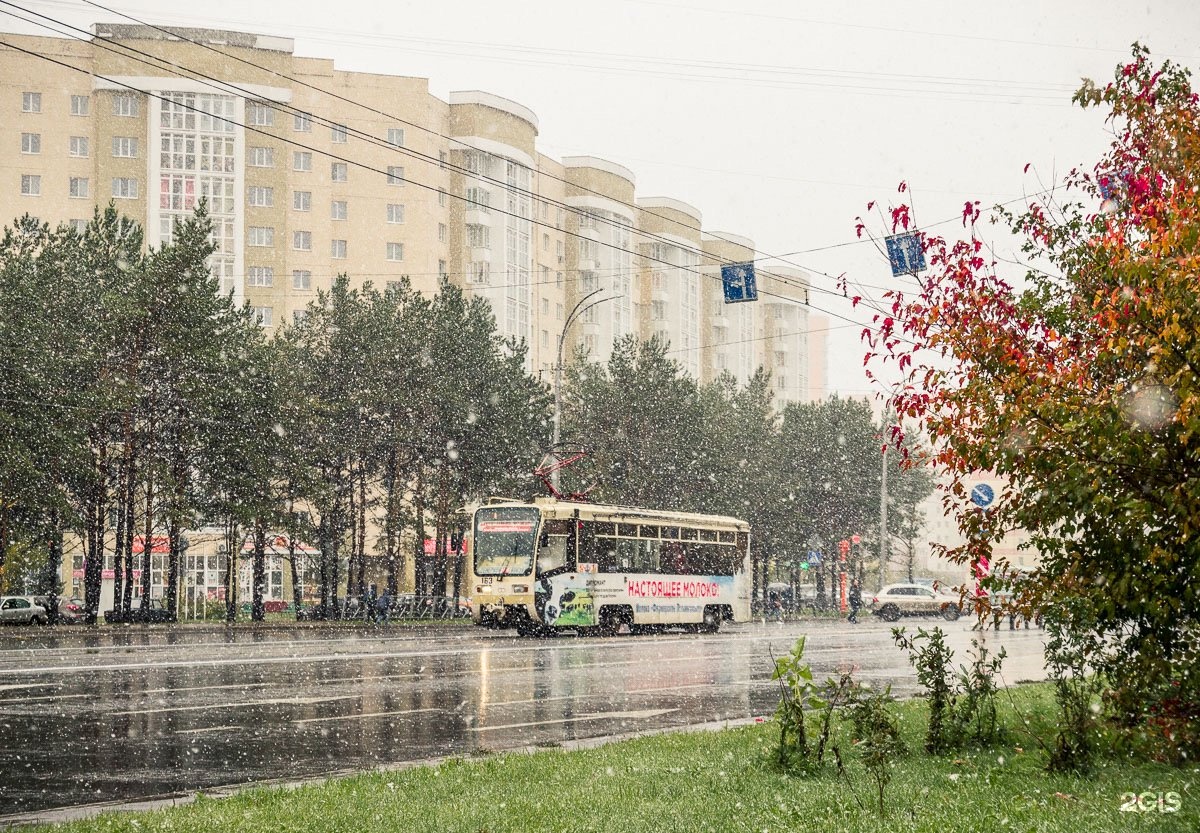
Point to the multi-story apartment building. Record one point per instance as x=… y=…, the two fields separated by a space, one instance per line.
x=310 y=171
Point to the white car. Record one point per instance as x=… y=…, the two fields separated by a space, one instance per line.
x=896 y=600
x=22 y=610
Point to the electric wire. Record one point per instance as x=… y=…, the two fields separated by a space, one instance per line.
x=255 y=129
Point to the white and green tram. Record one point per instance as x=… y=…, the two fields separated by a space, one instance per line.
x=549 y=565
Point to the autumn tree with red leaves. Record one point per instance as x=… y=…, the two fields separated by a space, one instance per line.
x=1077 y=382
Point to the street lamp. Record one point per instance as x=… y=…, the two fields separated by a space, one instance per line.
x=581 y=306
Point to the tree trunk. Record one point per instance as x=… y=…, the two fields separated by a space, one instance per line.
x=258 y=609
x=395 y=561
x=93 y=559
x=361 y=587
x=148 y=542
x=54 y=554
x=231 y=569
x=174 y=539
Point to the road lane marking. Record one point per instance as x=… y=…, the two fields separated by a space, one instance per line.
x=363 y=716
x=276 y=701
x=610 y=715
x=207 y=729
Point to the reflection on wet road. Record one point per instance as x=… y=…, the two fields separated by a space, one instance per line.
x=85 y=720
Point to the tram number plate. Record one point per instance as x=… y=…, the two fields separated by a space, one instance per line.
x=487 y=579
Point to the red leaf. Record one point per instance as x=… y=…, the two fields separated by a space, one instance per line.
x=1027 y=165
x=903 y=187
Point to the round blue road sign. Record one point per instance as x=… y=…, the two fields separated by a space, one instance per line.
x=982 y=495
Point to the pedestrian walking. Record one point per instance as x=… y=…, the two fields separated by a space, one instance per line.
x=777 y=608
x=855 y=602
x=383 y=606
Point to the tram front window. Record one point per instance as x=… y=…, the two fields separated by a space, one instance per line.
x=504 y=541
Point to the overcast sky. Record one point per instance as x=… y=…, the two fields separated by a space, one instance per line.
x=779 y=120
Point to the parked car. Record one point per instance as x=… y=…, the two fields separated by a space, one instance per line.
x=154 y=612
x=70 y=611
x=22 y=610
x=896 y=600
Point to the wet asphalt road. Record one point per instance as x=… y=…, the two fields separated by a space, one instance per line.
x=131 y=714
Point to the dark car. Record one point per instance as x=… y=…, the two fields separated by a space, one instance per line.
x=154 y=612
x=70 y=611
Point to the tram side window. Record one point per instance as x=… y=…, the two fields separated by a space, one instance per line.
x=606 y=555
x=556 y=547
x=647 y=556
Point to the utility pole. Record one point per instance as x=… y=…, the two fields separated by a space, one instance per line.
x=883 y=537
x=575 y=312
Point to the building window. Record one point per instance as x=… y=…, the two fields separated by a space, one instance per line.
x=441 y=198
x=395 y=213
x=302 y=200
x=125 y=188
x=79 y=146
x=395 y=175
x=338 y=134
x=261 y=158
x=545 y=339
x=479 y=236
x=259 y=114
x=31 y=143
x=31 y=102
x=395 y=251
x=125 y=105
x=478 y=199
x=441 y=232
x=302 y=241
x=339 y=172
x=337 y=249
x=302 y=123
x=261 y=236
x=80 y=226
x=395 y=137
x=473 y=162
x=478 y=271
x=298 y=316
x=442 y=269
x=301 y=160
x=31 y=185
x=261 y=196
x=339 y=210
x=125 y=147
x=80 y=105
x=79 y=187
x=441 y=158
x=262 y=276
x=546 y=242
x=265 y=315
x=301 y=279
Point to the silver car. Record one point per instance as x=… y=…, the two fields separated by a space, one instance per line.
x=22 y=610
x=896 y=600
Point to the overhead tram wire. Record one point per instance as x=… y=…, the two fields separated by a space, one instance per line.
x=158 y=63
x=442 y=163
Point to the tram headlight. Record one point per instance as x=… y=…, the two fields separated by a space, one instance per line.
x=520 y=588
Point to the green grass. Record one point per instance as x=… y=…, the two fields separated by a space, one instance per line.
x=701 y=781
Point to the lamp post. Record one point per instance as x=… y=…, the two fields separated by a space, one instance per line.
x=581 y=306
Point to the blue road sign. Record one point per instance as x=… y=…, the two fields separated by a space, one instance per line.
x=982 y=495
x=905 y=253
x=739 y=282
x=814 y=557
